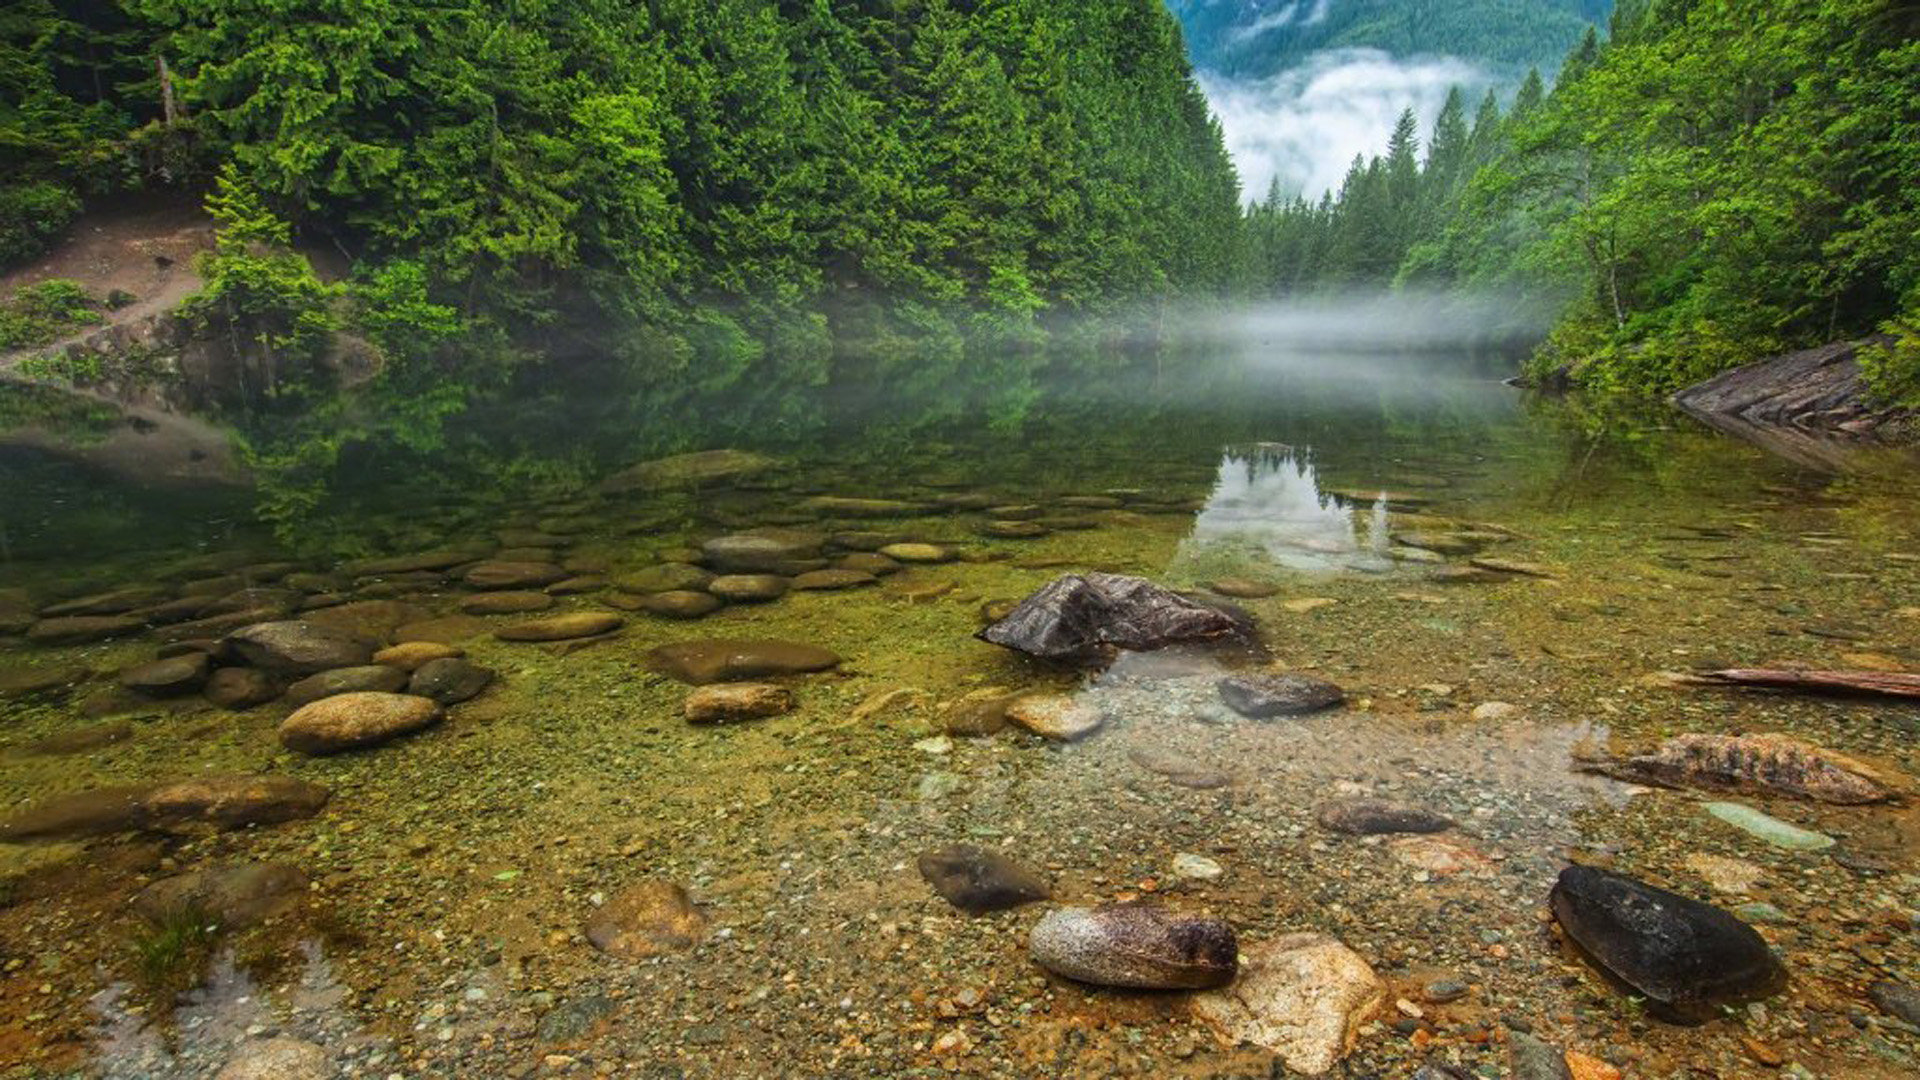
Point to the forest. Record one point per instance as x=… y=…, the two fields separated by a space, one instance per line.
x=1710 y=182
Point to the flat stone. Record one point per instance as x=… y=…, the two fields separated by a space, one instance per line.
x=1684 y=956
x=237 y=896
x=352 y=721
x=1438 y=856
x=449 y=680
x=366 y=620
x=219 y=626
x=278 y=1058
x=511 y=602
x=680 y=604
x=1179 y=769
x=446 y=630
x=1141 y=945
x=240 y=688
x=1444 y=543
x=919 y=553
x=700 y=469
x=223 y=801
x=1193 y=867
x=1303 y=997
x=733 y=660
x=1060 y=717
x=369 y=678
x=297 y=648
x=1489 y=712
x=1736 y=877
x=978 y=881
x=868 y=562
x=1364 y=816
x=81 y=740
x=842 y=507
x=83 y=629
x=1896 y=999
x=646 y=920
x=579 y=624
x=1014 y=530
x=748 y=588
x=117 y=602
x=1243 y=588
x=410 y=655
x=765 y=551
x=1265 y=696
x=512 y=575
x=172 y=677
x=1771 y=829
x=666 y=577
x=439 y=559
x=728 y=702
x=829 y=580
x=1767 y=764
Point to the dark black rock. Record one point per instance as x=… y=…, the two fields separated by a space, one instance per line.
x=1363 y=816
x=978 y=881
x=1263 y=696
x=571 y=1021
x=1684 y=956
x=1083 y=617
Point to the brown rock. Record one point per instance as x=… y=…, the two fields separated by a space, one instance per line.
x=408 y=656
x=828 y=580
x=1060 y=717
x=117 y=602
x=34 y=682
x=372 y=677
x=678 y=604
x=506 y=603
x=82 y=629
x=737 y=701
x=579 y=624
x=223 y=801
x=238 y=896
x=240 y=688
x=732 y=660
x=172 y=677
x=278 y=1058
x=448 y=630
x=1302 y=996
x=748 y=588
x=512 y=575
x=1769 y=764
x=351 y=721
x=82 y=739
x=297 y=648
x=646 y=919
x=449 y=680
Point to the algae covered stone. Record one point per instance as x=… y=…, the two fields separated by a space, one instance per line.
x=351 y=721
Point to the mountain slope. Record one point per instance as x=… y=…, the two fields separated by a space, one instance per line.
x=1253 y=38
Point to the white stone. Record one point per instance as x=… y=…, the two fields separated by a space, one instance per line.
x=1196 y=867
x=1495 y=710
x=1303 y=997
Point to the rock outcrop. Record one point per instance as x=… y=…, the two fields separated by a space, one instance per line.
x=1809 y=406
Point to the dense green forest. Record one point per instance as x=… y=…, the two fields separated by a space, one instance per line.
x=1252 y=38
x=1715 y=181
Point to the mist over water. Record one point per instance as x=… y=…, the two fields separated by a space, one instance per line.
x=1304 y=126
x=1379 y=323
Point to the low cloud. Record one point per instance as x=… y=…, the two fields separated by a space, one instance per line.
x=1305 y=125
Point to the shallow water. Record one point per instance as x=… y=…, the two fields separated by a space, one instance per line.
x=453 y=871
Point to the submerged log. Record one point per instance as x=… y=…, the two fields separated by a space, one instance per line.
x=1897 y=684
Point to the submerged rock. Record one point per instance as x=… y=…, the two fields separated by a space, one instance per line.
x=1683 y=955
x=237 y=896
x=978 y=881
x=1060 y=717
x=240 y=688
x=508 y=602
x=1770 y=764
x=1264 y=696
x=224 y=801
x=35 y=682
x=646 y=919
x=919 y=553
x=1533 y=1059
x=171 y=677
x=765 y=551
x=706 y=467
x=1140 y=945
x=680 y=604
x=278 y=1058
x=748 y=588
x=297 y=648
x=82 y=629
x=117 y=602
x=449 y=680
x=1771 y=829
x=841 y=507
x=579 y=624
x=372 y=677
x=736 y=701
x=409 y=656
x=1180 y=769
x=80 y=740
x=1896 y=999
x=1303 y=997
x=665 y=577
x=1243 y=588
x=732 y=660
x=1364 y=816
x=496 y=574
x=352 y=721
x=1083 y=617
x=831 y=580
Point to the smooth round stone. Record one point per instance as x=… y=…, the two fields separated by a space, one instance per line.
x=1264 y=696
x=117 y=602
x=1055 y=716
x=297 y=648
x=729 y=702
x=680 y=604
x=82 y=629
x=449 y=680
x=867 y=542
x=374 y=677
x=1141 y=946
x=574 y=586
x=1015 y=512
x=523 y=555
x=506 y=603
x=717 y=660
x=279 y=1058
x=168 y=678
x=978 y=881
x=579 y=624
x=1091 y=502
x=919 y=553
x=1363 y=816
x=748 y=588
x=238 y=688
x=410 y=655
x=352 y=721
x=646 y=919
x=496 y=574
x=869 y=562
x=1243 y=588
x=830 y=580
x=765 y=551
x=33 y=682
x=666 y=577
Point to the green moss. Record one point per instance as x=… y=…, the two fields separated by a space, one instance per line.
x=45 y=312
x=169 y=950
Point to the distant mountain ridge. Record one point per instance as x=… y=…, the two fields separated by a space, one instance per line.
x=1256 y=38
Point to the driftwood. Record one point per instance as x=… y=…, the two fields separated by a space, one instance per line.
x=1877 y=683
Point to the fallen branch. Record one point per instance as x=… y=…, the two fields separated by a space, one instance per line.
x=1877 y=683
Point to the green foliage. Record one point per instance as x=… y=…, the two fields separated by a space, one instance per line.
x=31 y=214
x=44 y=312
x=168 y=951
x=1891 y=366
x=1717 y=181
